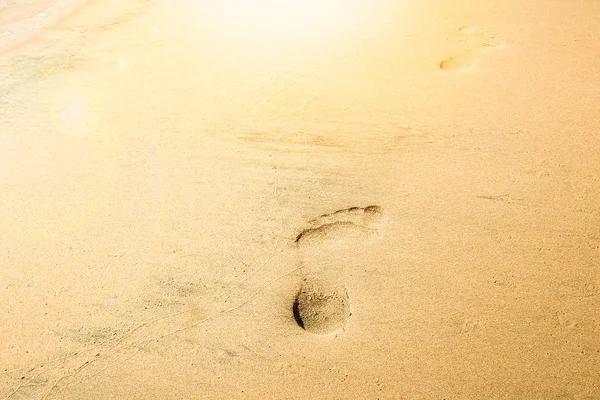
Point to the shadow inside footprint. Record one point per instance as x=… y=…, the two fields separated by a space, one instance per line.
x=296 y=312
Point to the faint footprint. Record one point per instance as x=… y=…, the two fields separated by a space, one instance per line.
x=350 y=223
x=480 y=41
x=482 y=38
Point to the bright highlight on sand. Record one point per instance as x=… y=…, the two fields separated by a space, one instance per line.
x=281 y=19
x=72 y=110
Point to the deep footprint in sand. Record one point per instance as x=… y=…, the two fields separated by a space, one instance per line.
x=339 y=226
x=321 y=307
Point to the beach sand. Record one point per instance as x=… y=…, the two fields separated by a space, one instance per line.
x=299 y=200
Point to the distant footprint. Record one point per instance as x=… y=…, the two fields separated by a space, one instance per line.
x=463 y=62
x=480 y=41
x=350 y=223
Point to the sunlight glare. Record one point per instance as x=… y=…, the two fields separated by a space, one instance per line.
x=281 y=19
x=74 y=112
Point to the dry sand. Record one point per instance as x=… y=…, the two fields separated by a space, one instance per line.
x=300 y=200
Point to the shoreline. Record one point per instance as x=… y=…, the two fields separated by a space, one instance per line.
x=17 y=33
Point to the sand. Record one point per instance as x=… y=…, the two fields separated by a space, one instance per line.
x=299 y=200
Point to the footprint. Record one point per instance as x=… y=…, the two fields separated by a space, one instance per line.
x=321 y=307
x=322 y=304
x=350 y=223
x=463 y=62
x=480 y=42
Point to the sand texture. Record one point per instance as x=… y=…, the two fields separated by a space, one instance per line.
x=299 y=200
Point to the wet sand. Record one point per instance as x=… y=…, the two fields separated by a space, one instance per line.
x=321 y=200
